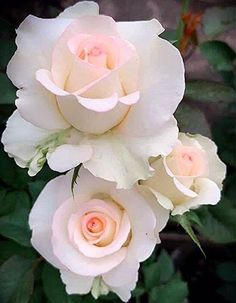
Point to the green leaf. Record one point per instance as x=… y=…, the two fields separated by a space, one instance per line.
x=74 y=177
x=192 y=120
x=16 y=280
x=7 y=90
x=170 y=35
x=227 y=271
x=218 y=222
x=186 y=221
x=35 y=188
x=219 y=55
x=14 y=225
x=7 y=50
x=219 y=19
x=224 y=134
x=53 y=286
x=208 y=91
x=10 y=248
x=158 y=272
x=175 y=291
x=10 y=174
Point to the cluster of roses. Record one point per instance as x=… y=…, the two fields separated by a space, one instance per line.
x=103 y=93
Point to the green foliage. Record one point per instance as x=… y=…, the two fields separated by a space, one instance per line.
x=7 y=90
x=221 y=57
x=212 y=92
x=14 y=225
x=16 y=280
x=53 y=286
x=192 y=120
x=219 y=19
x=218 y=222
x=161 y=282
x=158 y=272
x=227 y=272
x=175 y=291
x=186 y=221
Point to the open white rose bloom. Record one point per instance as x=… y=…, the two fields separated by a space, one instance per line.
x=98 y=237
x=93 y=91
x=190 y=176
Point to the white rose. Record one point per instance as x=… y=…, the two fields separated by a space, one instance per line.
x=190 y=176
x=98 y=237
x=93 y=91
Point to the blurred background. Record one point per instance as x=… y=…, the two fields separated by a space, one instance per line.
x=178 y=272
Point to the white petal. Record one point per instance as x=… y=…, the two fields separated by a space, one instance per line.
x=208 y=193
x=162 y=78
x=160 y=206
x=84 y=8
x=143 y=238
x=68 y=156
x=76 y=284
x=114 y=161
x=35 y=41
x=20 y=140
x=41 y=216
x=217 y=169
x=124 y=291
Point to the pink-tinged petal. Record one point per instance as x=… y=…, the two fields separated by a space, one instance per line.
x=84 y=8
x=71 y=257
x=93 y=251
x=217 y=169
x=207 y=193
x=99 y=105
x=76 y=284
x=41 y=216
x=63 y=59
x=68 y=156
x=34 y=50
x=90 y=121
x=130 y=99
x=45 y=78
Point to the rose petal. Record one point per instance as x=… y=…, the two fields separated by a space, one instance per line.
x=41 y=216
x=68 y=156
x=208 y=193
x=84 y=8
x=161 y=89
x=76 y=284
x=34 y=51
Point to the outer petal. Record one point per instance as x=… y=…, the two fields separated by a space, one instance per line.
x=113 y=160
x=76 y=284
x=162 y=78
x=217 y=169
x=208 y=193
x=124 y=291
x=40 y=219
x=34 y=52
x=68 y=156
x=84 y=8
x=21 y=139
x=129 y=162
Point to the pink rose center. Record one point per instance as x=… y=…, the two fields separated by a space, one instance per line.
x=95 y=225
x=187 y=161
x=96 y=55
